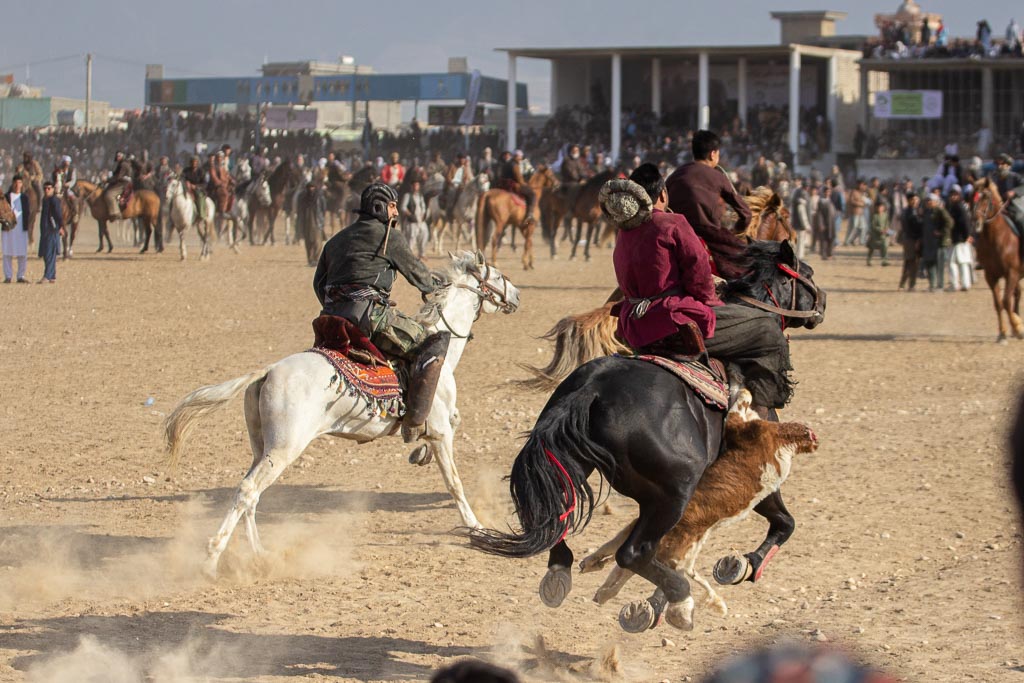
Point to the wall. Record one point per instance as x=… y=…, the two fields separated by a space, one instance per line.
x=915 y=169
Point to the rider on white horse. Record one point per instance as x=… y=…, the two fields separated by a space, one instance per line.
x=353 y=280
x=195 y=183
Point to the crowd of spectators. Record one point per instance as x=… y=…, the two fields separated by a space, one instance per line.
x=899 y=40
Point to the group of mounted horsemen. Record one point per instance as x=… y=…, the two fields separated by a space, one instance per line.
x=687 y=288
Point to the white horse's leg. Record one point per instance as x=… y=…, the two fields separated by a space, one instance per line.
x=254 y=425
x=181 y=245
x=445 y=450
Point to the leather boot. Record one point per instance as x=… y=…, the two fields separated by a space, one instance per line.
x=423 y=377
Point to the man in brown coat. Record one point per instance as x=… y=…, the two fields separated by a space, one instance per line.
x=700 y=189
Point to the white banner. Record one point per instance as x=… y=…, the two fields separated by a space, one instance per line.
x=908 y=104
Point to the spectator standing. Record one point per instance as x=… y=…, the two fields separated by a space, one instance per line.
x=394 y=173
x=14 y=242
x=913 y=227
x=878 y=234
x=51 y=228
x=413 y=210
x=799 y=217
x=856 y=205
x=937 y=224
x=984 y=36
x=825 y=223
x=959 y=257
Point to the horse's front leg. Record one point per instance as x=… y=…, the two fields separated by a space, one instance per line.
x=997 y=301
x=735 y=569
x=444 y=448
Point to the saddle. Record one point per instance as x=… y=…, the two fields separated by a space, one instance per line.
x=686 y=358
x=512 y=187
x=362 y=369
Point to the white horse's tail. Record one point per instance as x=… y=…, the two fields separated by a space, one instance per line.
x=204 y=400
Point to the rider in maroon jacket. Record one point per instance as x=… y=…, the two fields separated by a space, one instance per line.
x=664 y=272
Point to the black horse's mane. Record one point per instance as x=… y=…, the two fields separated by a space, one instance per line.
x=600 y=179
x=729 y=251
x=762 y=264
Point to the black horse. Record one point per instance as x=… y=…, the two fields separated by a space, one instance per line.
x=650 y=438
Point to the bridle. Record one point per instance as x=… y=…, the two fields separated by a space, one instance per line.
x=796 y=280
x=989 y=204
x=485 y=291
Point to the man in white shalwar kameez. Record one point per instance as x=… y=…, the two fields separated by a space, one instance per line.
x=14 y=242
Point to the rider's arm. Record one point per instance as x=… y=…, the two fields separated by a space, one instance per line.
x=733 y=199
x=407 y=264
x=694 y=263
x=320 y=277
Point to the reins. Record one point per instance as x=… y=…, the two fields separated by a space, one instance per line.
x=485 y=292
x=791 y=312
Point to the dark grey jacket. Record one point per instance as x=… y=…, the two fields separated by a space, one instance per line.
x=351 y=258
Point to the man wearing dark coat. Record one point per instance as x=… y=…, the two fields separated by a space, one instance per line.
x=353 y=280
x=51 y=227
x=310 y=212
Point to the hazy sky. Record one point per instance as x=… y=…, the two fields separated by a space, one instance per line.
x=233 y=37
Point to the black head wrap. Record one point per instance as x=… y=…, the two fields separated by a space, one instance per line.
x=375 y=199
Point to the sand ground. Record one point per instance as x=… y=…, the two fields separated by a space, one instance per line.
x=906 y=553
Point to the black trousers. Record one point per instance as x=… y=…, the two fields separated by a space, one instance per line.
x=753 y=341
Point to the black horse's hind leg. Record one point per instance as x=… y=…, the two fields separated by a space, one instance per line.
x=734 y=569
x=575 y=239
x=638 y=555
x=557 y=583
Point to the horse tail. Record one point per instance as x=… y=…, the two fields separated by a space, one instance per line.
x=204 y=400
x=549 y=480
x=578 y=339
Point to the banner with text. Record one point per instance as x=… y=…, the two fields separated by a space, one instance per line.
x=286 y=118
x=908 y=104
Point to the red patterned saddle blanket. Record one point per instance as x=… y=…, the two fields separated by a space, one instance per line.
x=378 y=385
x=711 y=384
x=512 y=187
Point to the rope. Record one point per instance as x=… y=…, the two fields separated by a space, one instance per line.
x=568 y=492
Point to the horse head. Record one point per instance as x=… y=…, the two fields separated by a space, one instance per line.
x=469 y=271
x=173 y=188
x=780 y=283
x=988 y=203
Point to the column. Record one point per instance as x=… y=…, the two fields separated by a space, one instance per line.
x=794 y=103
x=987 y=99
x=831 y=101
x=741 y=90
x=656 y=86
x=510 y=105
x=865 y=98
x=703 y=110
x=616 y=107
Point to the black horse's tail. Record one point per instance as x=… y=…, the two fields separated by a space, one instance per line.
x=549 y=480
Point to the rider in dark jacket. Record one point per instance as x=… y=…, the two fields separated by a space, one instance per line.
x=353 y=280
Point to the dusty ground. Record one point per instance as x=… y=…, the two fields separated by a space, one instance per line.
x=907 y=550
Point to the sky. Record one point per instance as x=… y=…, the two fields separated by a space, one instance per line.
x=234 y=37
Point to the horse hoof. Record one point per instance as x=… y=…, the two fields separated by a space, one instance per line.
x=209 y=569
x=421 y=456
x=592 y=563
x=637 y=617
x=555 y=585
x=680 y=614
x=731 y=570
x=1002 y=339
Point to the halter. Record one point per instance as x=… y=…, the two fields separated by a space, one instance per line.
x=485 y=292
x=987 y=196
x=792 y=311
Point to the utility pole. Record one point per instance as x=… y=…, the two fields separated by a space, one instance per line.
x=88 y=90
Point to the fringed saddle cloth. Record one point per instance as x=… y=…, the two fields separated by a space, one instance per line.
x=711 y=384
x=362 y=369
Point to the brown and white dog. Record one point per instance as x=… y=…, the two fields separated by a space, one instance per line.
x=757 y=461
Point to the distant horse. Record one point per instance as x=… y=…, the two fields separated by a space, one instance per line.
x=281 y=182
x=70 y=213
x=260 y=203
x=769 y=217
x=650 y=438
x=182 y=213
x=507 y=208
x=295 y=400
x=463 y=214
x=1000 y=255
x=587 y=212
x=143 y=204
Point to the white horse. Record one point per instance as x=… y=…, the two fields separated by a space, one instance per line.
x=259 y=200
x=301 y=397
x=182 y=214
x=463 y=214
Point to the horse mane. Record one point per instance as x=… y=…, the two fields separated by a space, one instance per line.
x=762 y=259
x=458 y=265
x=986 y=184
x=598 y=181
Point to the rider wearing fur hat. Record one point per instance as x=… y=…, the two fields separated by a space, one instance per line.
x=353 y=280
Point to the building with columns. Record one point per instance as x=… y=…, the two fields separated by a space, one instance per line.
x=812 y=72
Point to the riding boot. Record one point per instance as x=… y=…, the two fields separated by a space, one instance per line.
x=423 y=377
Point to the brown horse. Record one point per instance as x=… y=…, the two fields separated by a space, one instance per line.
x=506 y=208
x=143 y=204
x=587 y=211
x=70 y=213
x=583 y=337
x=999 y=253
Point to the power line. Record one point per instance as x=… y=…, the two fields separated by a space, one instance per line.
x=36 y=62
x=130 y=62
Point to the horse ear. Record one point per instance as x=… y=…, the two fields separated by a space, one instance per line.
x=451 y=256
x=786 y=253
x=480 y=258
x=775 y=202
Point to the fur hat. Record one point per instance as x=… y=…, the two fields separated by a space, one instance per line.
x=625 y=203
